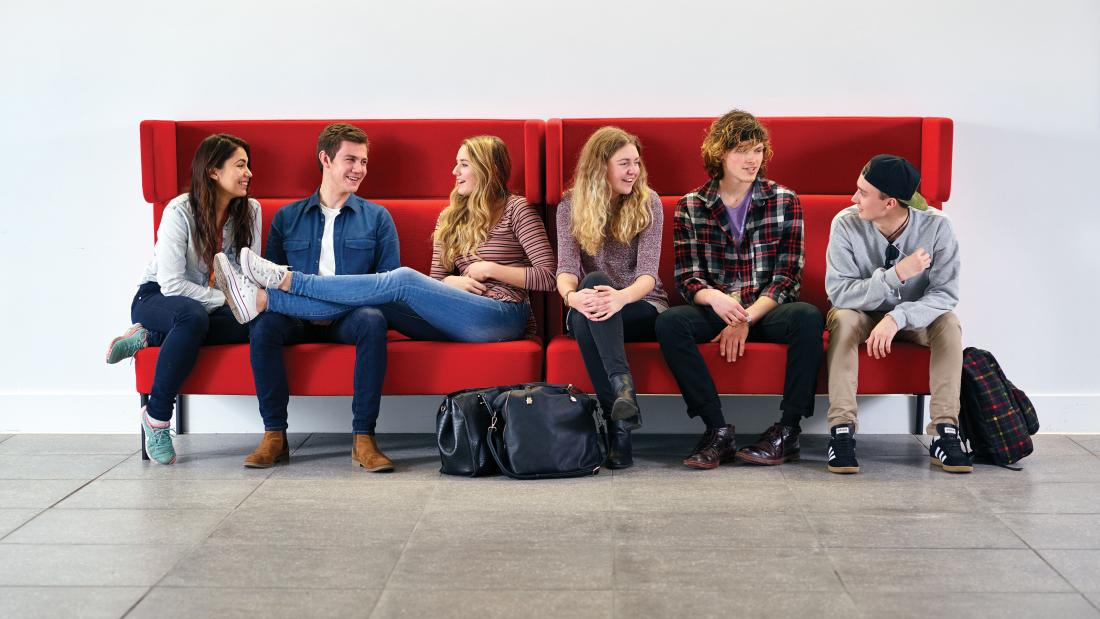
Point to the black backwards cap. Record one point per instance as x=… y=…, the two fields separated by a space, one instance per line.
x=897 y=178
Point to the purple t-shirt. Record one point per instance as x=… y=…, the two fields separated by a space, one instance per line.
x=737 y=214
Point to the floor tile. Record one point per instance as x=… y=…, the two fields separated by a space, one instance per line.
x=1040 y=470
x=328 y=456
x=356 y=495
x=536 y=528
x=944 y=571
x=509 y=495
x=51 y=602
x=12 y=519
x=1047 y=445
x=503 y=604
x=1080 y=567
x=56 y=466
x=1046 y=498
x=281 y=567
x=815 y=446
x=36 y=493
x=209 y=466
x=4 y=437
x=849 y=497
x=88 y=565
x=1091 y=442
x=514 y=566
x=919 y=530
x=312 y=527
x=71 y=444
x=238 y=603
x=715 y=530
x=1056 y=530
x=160 y=494
x=670 y=468
x=666 y=497
x=736 y=569
x=873 y=469
x=976 y=605
x=118 y=526
x=739 y=603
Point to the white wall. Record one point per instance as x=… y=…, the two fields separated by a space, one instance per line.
x=1021 y=80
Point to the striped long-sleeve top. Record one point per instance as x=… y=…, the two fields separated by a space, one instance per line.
x=517 y=240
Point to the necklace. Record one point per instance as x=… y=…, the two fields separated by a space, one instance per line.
x=893 y=235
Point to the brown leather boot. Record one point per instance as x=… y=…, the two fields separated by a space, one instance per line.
x=716 y=446
x=367 y=454
x=273 y=448
x=778 y=444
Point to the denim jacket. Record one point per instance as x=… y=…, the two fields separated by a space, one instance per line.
x=364 y=238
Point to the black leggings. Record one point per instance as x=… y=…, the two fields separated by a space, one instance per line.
x=601 y=342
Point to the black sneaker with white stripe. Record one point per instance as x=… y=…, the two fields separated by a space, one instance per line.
x=947 y=452
x=842 y=449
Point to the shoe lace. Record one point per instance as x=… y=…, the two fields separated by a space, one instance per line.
x=709 y=441
x=161 y=438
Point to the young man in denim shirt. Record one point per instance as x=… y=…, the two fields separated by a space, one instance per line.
x=332 y=232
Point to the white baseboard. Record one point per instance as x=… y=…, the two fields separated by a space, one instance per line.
x=118 y=413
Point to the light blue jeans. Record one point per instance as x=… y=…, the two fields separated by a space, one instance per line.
x=458 y=315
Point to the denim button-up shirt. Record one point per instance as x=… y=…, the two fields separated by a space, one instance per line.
x=364 y=237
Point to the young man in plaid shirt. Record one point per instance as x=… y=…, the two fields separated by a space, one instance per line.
x=892 y=272
x=739 y=257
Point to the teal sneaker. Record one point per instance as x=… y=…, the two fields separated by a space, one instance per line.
x=128 y=344
x=158 y=441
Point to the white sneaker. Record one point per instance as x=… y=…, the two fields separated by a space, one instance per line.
x=240 y=294
x=264 y=273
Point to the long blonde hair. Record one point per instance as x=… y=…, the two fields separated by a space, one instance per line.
x=464 y=224
x=594 y=202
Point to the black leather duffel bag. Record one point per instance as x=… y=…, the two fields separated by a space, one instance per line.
x=542 y=431
x=460 y=429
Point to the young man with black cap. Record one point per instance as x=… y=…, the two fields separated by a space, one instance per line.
x=892 y=272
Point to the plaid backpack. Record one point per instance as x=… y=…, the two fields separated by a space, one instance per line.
x=996 y=418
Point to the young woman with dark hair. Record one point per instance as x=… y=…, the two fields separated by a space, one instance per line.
x=177 y=305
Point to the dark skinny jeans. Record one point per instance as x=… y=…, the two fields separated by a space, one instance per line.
x=601 y=342
x=179 y=325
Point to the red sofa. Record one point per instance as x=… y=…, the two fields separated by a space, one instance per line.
x=819 y=158
x=410 y=174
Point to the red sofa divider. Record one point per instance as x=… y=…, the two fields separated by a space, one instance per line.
x=410 y=174
x=819 y=158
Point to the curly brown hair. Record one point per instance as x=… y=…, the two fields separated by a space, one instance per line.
x=735 y=130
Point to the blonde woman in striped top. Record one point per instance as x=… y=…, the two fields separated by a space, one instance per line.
x=489 y=249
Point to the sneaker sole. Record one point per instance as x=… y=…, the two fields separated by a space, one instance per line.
x=225 y=283
x=843 y=470
x=951 y=469
x=765 y=461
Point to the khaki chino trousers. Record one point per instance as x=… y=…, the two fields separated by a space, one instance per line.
x=848 y=332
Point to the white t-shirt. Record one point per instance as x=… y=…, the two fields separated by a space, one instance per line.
x=328 y=256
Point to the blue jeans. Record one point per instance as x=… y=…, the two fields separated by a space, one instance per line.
x=179 y=325
x=456 y=314
x=365 y=327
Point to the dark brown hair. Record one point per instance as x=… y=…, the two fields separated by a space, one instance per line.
x=331 y=137
x=212 y=154
x=736 y=129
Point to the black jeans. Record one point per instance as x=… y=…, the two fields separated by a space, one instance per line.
x=601 y=342
x=798 y=325
x=179 y=325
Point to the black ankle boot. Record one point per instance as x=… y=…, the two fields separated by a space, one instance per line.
x=621 y=455
x=626 y=402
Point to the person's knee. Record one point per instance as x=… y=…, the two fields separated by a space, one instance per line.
x=844 y=324
x=404 y=275
x=367 y=323
x=593 y=279
x=192 y=318
x=806 y=321
x=674 y=324
x=947 y=326
x=269 y=328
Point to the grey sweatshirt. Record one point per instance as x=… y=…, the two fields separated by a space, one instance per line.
x=856 y=279
x=176 y=265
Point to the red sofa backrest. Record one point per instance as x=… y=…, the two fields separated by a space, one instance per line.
x=818 y=157
x=409 y=171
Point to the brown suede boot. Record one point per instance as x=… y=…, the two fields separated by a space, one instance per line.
x=366 y=453
x=273 y=448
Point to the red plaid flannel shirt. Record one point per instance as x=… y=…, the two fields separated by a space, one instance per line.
x=766 y=262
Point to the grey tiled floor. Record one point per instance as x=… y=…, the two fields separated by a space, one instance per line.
x=88 y=529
